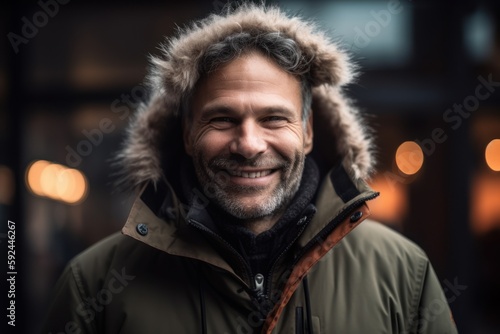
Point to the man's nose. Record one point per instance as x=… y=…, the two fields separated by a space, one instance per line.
x=249 y=141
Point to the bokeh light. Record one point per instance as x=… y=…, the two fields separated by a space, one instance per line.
x=492 y=155
x=392 y=205
x=34 y=176
x=56 y=181
x=409 y=157
x=49 y=179
x=72 y=186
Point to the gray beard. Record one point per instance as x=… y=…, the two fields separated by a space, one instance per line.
x=216 y=189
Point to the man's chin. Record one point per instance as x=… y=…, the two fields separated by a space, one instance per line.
x=250 y=215
x=248 y=209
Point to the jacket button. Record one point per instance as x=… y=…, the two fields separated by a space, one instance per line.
x=356 y=216
x=142 y=229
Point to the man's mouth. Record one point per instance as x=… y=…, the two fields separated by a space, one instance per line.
x=250 y=174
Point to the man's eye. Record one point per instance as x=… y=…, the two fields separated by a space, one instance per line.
x=274 y=119
x=223 y=122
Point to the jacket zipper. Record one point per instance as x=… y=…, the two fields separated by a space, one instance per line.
x=323 y=232
x=226 y=244
x=270 y=274
x=257 y=281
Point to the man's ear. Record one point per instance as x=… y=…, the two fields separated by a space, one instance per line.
x=308 y=135
x=186 y=136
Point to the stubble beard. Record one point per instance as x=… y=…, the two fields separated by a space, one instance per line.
x=214 y=178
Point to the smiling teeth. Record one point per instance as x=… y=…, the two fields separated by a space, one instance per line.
x=251 y=175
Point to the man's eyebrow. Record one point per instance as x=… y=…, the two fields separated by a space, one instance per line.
x=222 y=110
x=212 y=111
x=279 y=110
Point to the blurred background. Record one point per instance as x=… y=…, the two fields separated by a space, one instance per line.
x=71 y=74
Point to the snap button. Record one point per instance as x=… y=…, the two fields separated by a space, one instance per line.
x=142 y=229
x=356 y=216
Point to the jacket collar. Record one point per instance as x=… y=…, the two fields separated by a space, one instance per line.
x=169 y=234
x=339 y=196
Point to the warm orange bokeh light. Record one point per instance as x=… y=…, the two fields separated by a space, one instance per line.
x=34 y=176
x=492 y=155
x=485 y=203
x=49 y=180
x=56 y=181
x=409 y=157
x=392 y=204
x=72 y=186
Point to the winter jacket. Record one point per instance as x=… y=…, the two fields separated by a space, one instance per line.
x=167 y=273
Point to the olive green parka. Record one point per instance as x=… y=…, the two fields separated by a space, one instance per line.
x=168 y=273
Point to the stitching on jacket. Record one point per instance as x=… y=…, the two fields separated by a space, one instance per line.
x=82 y=287
x=414 y=312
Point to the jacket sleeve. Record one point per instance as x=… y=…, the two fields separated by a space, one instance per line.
x=433 y=315
x=70 y=310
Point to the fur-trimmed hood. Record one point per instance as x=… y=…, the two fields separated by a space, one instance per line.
x=154 y=139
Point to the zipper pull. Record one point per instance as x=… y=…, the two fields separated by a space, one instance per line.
x=259 y=284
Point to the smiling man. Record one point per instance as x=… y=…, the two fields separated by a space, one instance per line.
x=250 y=167
x=247 y=122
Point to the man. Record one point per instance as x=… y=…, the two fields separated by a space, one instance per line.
x=251 y=166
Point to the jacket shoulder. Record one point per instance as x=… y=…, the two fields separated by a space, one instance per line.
x=374 y=237
x=400 y=267
x=399 y=263
x=114 y=254
x=376 y=265
x=108 y=245
x=103 y=252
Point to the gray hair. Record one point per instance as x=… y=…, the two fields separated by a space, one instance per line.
x=283 y=50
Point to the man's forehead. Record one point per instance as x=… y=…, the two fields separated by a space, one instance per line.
x=248 y=59
x=251 y=73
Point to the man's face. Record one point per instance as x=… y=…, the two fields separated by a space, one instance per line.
x=247 y=138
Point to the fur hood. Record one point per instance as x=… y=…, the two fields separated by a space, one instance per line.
x=154 y=139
